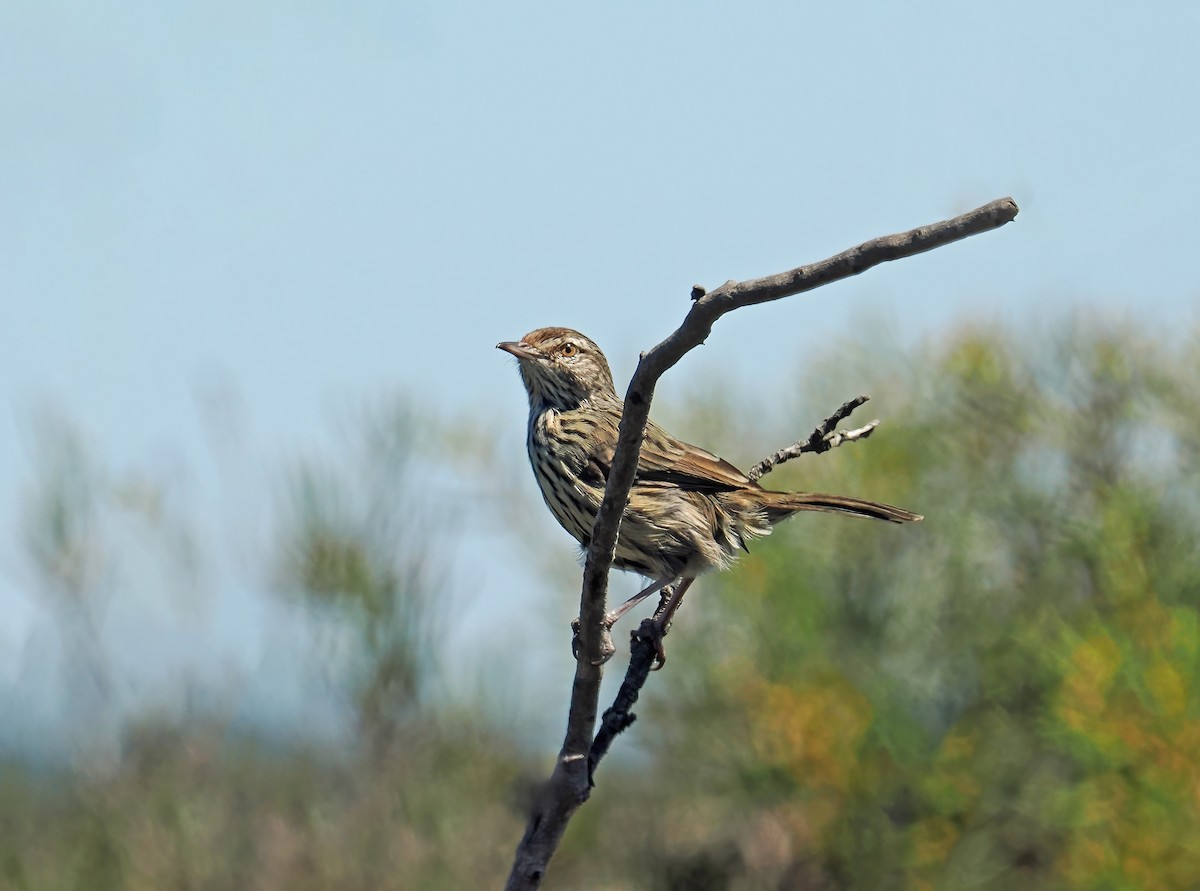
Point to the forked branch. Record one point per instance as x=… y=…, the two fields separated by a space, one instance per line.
x=569 y=785
x=822 y=439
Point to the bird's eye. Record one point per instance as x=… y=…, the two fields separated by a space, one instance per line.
x=568 y=350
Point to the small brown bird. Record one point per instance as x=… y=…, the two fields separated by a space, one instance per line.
x=689 y=511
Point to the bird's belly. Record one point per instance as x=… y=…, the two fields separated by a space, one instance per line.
x=573 y=503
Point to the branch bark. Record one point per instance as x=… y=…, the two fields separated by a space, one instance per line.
x=570 y=783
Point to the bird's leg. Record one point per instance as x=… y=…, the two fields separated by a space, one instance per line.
x=612 y=618
x=664 y=597
x=662 y=620
x=666 y=610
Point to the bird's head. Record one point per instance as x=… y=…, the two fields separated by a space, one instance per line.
x=561 y=368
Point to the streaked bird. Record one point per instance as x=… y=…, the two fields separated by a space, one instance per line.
x=689 y=511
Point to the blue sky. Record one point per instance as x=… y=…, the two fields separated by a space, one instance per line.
x=291 y=207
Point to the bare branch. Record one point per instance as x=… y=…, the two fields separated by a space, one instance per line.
x=821 y=440
x=619 y=716
x=569 y=785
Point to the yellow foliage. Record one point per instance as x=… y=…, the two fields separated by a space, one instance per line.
x=953 y=784
x=933 y=840
x=1094 y=663
x=813 y=731
x=1168 y=688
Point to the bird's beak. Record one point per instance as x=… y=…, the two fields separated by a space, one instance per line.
x=521 y=350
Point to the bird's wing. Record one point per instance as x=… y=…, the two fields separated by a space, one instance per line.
x=665 y=459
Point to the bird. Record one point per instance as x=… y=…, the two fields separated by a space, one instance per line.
x=689 y=511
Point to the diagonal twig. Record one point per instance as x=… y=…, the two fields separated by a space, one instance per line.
x=821 y=440
x=619 y=716
x=569 y=784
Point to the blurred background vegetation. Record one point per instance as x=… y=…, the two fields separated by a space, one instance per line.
x=1005 y=696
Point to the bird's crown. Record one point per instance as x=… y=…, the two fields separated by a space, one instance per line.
x=561 y=368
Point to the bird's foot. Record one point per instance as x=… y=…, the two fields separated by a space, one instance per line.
x=668 y=603
x=607 y=647
x=657 y=626
x=654 y=630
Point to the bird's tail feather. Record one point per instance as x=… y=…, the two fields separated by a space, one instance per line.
x=784 y=504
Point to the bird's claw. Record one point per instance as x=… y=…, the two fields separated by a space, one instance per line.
x=607 y=647
x=654 y=630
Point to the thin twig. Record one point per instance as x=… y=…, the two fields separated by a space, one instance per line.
x=619 y=716
x=569 y=784
x=822 y=439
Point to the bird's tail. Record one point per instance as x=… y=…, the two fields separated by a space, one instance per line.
x=783 y=504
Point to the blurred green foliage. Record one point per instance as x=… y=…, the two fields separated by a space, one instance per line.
x=357 y=545
x=1004 y=696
